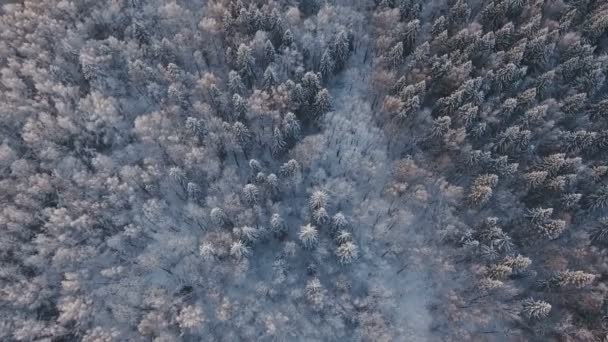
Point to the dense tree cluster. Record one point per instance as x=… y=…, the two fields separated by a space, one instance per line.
x=504 y=99
x=282 y=170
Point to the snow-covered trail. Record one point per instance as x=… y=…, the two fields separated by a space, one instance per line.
x=385 y=239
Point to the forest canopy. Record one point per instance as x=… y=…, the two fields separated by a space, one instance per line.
x=303 y=170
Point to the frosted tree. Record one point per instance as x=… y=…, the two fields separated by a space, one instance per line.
x=277 y=224
x=291 y=126
x=572 y=279
x=311 y=86
x=241 y=133
x=251 y=194
x=269 y=51
x=287 y=39
x=599 y=199
x=207 y=251
x=255 y=165
x=278 y=142
x=552 y=229
x=235 y=83
x=190 y=317
x=270 y=78
x=239 y=106
x=441 y=126
x=318 y=200
x=239 y=250
x=535 y=179
x=408 y=108
x=273 y=182
x=343 y=236
x=315 y=293
x=245 y=62
x=322 y=103
x=517 y=263
x=308 y=235
x=249 y=234
x=395 y=55
x=218 y=216
x=600 y=232
x=320 y=216
x=535 y=309
x=339 y=222
x=347 y=252
x=539 y=215
x=481 y=189
x=341 y=49
x=327 y=64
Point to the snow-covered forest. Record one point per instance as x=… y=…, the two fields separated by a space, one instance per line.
x=304 y=170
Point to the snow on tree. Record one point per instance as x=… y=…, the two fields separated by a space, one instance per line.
x=535 y=309
x=277 y=223
x=308 y=235
x=245 y=62
x=318 y=200
x=238 y=249
x=148 y=148
x=339 y=221
x=347 y=252
x=190 y=317
x=315 y=294
x=251 y=193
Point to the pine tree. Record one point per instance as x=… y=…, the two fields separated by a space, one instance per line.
x=190 y=317
x=481 y=190
x=535 y=179
x=539 y=215
x=278 y=141
x=395 y=55
x=207 y=251
x=251 y=194
x=600 y=231
x=322 y=103
x=309 y=236
x=347 y=252
x=327 y=64
x=245 y=62
x=552 y=228
x=311 y=86
x=339 y=222
x=287 y=38
x=291 y=126
x=315 y=293
x=343 y=236
x=235 y=83
x=239 y=106
x=249 y=234
x=320 y=216
x=599 y=199
x=270 y=78
x=341 y=49
x=535 y=309
x=218 y=216
x=269 y=52
x=318 y=200
x=255 y=165
x=409 y=108
x=239 y=250
x=441 y=126
x=290 y=168
x=277 y=224
x=241 y=133
x=439 y=25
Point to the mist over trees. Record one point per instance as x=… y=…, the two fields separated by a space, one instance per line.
x=260 y=170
